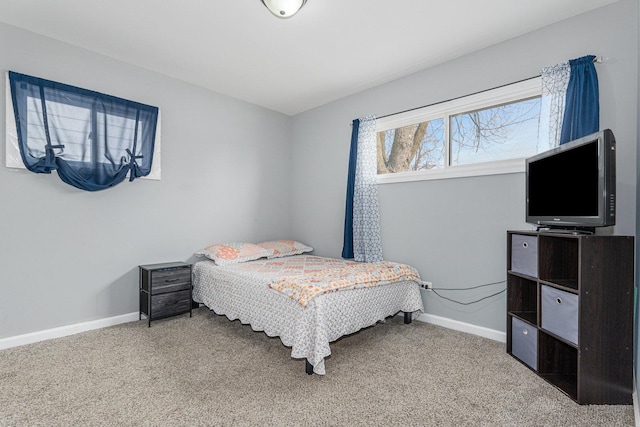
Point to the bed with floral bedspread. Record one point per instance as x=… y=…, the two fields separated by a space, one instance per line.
x=308 y=301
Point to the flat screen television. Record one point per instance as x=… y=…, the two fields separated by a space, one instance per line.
x=573 y=186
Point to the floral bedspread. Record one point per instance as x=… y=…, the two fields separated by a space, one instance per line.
x=352 y=275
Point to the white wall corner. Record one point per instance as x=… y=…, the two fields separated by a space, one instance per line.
x=636 y=409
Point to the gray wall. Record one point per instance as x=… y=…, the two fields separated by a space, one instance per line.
x=454 y=230
x=69 y=256
x=234 y=171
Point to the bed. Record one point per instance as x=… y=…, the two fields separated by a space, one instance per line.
x=259 y=293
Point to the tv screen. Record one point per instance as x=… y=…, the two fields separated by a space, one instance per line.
x=573 y=185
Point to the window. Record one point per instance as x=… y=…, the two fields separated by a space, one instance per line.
x=91 y=133
x=73 y=119
x=482 y=134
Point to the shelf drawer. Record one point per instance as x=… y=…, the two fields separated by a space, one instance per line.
x=560 y=313
x=524 y=342
x=524 y=254
x=170 y=304
x=170 y=281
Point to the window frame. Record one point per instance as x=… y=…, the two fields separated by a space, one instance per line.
x=519 y=91
x=13 y=158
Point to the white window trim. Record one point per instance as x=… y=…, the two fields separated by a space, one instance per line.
x=503 y=95
x=499 y=167
x=12 y=149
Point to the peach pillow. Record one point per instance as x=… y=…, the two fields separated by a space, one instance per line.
x=282 y=248
x=233 y=253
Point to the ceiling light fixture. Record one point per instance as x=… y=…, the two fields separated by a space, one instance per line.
x=284 y=8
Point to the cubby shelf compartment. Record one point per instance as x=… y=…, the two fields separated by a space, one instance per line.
x=558 y=363
x=590 y=278
x=522 y=298
x=558 y=260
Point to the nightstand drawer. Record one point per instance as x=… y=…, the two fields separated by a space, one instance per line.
x=165 y=290
x=170 y=304
x=170 y=281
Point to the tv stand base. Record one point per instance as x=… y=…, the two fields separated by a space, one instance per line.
x=567 y=230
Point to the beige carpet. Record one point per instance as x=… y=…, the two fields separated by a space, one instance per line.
x=208 y=371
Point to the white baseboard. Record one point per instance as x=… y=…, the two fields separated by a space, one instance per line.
x=64 y=331
x=131 y=317
x=463 y=327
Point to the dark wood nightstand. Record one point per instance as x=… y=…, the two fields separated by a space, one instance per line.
x=165 y=290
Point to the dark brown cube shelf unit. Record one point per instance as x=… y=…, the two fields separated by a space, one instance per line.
x=165 y=290
x=570 y=312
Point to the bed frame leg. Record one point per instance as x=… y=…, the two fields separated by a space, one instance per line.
x=308 y=367
x=407 y=317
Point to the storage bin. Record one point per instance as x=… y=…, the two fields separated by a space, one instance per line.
x=560 y=313
x=524 y=254
x=524 y=342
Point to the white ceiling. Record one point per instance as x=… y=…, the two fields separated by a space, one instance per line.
x=329 y=50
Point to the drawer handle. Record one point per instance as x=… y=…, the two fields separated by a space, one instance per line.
x=525 y=332
x=559 y=300
x=525 y=245
x=171 y=280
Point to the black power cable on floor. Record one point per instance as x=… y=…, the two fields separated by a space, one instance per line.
x=467 y=289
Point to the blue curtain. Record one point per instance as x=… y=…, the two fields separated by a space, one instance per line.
x=362 y=237
x=582 y=109
x=91 y=139
x=367 y=238
x=347 y=246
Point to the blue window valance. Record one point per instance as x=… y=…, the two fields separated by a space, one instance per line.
x=91 y=139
